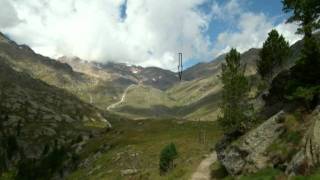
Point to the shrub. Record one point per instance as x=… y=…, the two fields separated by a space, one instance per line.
x=218 y=171
x=167 y=156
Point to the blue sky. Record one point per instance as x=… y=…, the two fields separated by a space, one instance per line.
x=272 y=9
x=143 y=32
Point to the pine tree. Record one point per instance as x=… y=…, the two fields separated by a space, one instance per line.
x=235 y=107
x=305 y=12
x=274 y=52
x=306 y=73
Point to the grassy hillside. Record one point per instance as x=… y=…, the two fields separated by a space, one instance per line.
x=146 y=101
x=188 y=92
x=38 y=120
x=137 y=145
x=103 y=85
x=196 y=99
x=98 y=91
x=198 y=96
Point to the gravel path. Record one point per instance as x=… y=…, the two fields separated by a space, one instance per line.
x=203 y=170
x=122 y=98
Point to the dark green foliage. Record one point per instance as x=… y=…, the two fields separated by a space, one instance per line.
x=27 y=170
x=167 y=156
x=307 y=69
x=304 y=84
x=263 y=174
x=294 y=137
x=218 y=171
x=307 y=95
x=12 y=146
x=273 y=54
x=305 y=12
x=19 y=128
x=9 y=148
x=10 y=175
x=44 y=168
x=235 y=107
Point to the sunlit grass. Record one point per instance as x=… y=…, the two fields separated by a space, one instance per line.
x=147 y=138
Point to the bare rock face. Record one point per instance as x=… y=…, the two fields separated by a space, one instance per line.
x=309 y=156
x=248 y=153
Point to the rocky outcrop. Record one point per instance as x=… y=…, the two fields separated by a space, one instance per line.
x=309 y=156
x=247 y=154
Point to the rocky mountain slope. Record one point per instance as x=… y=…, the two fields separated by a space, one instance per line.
x=158 y=93
x=194 y=98
x=98 y=91
x=38 y=120
x=95 y=83
x=150 y=76
x=198 y=95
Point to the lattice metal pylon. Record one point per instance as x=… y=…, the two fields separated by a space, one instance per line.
x=180 y=66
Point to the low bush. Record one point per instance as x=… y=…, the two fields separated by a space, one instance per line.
x=168 y=155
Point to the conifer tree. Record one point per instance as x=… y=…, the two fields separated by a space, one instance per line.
x=274 y=52
x=304 y=12
x=235 y=106
x=306 y=73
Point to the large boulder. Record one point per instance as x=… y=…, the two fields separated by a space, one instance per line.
x=309 y=156
x=248 y=154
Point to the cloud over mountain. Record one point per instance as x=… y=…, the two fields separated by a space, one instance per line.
x=152 y=33
x=141 y=32
x=252 y=28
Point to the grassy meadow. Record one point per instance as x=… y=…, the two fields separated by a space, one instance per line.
x=137 y=145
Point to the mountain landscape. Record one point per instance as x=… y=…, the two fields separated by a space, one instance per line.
x=156 y=93
x=39 y=122
x=65 y=88
x=104 y=85
x=249 y=115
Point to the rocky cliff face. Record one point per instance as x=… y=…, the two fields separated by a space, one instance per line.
x=275 y=143
x=309 y=156
x=247 y=154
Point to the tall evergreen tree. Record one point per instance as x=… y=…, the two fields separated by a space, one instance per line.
x=235 y=107
x=274 y=52
x=305 y=12
x=306 y=73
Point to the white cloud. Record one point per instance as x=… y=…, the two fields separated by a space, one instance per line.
x=8 y=15
x=252 y=28
x=152 y=33
x=253 y=31
x=288 y=31
x=227 y=11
